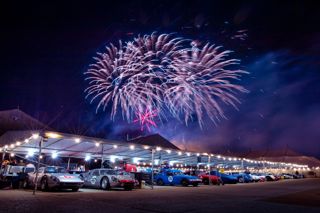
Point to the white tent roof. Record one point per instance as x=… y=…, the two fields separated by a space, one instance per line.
x=22 y=143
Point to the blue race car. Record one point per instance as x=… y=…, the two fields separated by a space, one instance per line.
x=175 y=177
x=242 y=177
x=226 y=179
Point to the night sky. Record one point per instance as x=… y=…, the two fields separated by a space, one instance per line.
x=46 y=48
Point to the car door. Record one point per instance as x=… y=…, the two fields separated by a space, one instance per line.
x=167 y=177
x=86 y=178
x=113 y=177
x=92 y=178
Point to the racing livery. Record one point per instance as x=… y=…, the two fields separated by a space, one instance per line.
x=175 y=177
x=108 y=178
x=52 y=177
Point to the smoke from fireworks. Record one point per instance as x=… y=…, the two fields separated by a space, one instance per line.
x=166 y=74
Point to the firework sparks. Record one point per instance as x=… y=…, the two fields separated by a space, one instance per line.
x=165 y=73
x=146 y=119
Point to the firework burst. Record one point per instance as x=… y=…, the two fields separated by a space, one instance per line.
x=146 y=119
x=166 y=74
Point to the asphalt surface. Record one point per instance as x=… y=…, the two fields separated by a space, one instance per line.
x=301 y=196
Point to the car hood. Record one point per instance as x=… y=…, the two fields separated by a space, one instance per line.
x=66 y=177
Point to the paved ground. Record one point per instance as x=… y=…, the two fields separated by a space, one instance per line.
x=301 y=196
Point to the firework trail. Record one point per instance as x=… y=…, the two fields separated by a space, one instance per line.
x=166 y=74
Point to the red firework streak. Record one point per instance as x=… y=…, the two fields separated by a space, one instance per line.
x=146 y=119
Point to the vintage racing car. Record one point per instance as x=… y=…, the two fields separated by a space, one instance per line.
x=215 y=180
x=108 y=178
x=52 y=177
x=175 y=177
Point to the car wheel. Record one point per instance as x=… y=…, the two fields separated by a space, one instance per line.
x=160 y=182
x=105 y=185
x=195 y=184
x=44 y=184
x=75 y=189
x=184 y=182
x=205 y=181
x=241 y=180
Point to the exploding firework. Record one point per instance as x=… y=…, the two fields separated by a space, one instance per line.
x=203 y=81
x=166 y=74
x=146 y=119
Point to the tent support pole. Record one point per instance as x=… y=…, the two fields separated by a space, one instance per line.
x=38 y=165
x=3 y=154
x=209 y=168
x=68 y=166
x=101 y=155
x=242 y=164
x=152 y=165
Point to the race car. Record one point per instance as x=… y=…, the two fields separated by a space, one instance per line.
x=108 y=178
x=226 y=179
x=53 y=177
x=242 y=177
x=175 y=177
x=257 y=177
x=215 y=180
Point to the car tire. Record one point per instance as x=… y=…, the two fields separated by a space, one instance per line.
x=44 y=184
x=75 y=189
x=205 y=181
x=184 y=182
x=241 y=180
x=105 y=184
x=160 y=182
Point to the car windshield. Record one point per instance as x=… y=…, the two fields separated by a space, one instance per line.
x=29 y=169
x=171 y=173
x=55 y=170
x=107 y=172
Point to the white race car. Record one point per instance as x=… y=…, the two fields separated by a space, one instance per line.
x=52 y=177
x=258 y=177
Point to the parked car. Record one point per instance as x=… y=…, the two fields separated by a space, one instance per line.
x=286 y=176
x=175 y=177
x=226 y=179
x=257 y=177
x=76 y=172
x=215 y=180
x=242 y=177
x=53 y=177
x=14 y=175
x=271 y=177
x=108 y=178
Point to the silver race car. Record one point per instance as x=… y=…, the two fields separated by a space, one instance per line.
x=52 y=177
x=108 y=178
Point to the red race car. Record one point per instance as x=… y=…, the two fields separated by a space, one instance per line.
x=215 y=180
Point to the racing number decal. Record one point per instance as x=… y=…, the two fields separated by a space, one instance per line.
x=170 y=178
x=93 y=180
